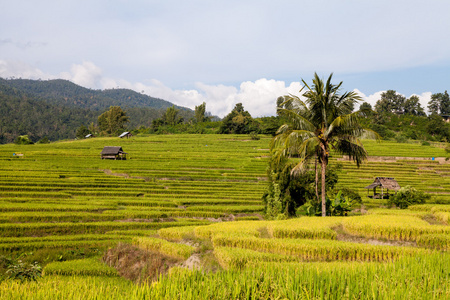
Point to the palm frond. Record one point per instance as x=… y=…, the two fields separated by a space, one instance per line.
x=371 y=134
x=307 y=151
x=299 y=168
x=353 y=148
x=344 y=124
x=296 y=120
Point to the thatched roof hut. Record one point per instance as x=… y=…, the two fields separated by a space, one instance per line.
x=386 y=184
x=113 y=152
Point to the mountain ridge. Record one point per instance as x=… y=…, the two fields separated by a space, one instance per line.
x=67 y=93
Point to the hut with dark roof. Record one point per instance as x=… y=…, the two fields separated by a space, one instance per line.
x=386 y=184
x=112 y=152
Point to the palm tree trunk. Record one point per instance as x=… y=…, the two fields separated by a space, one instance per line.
x=324 y=201
x=317 y=178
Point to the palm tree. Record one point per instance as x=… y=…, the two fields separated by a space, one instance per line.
x=323 y=121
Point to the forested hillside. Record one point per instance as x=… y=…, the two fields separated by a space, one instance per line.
x=21 y=115
x=64 y=92
x=56 y=108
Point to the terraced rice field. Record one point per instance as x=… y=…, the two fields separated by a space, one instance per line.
x=65 y=206
x=409 y=164
x=293 y=259
x=65 y=190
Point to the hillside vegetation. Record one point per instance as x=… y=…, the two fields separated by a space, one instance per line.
x=56 y=108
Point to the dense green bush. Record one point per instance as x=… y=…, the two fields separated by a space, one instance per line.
x=400 y=138
x=23 y=140
x=339 y=204
x=285 y=193
x=407 y=196
x=44 y=140
x=383 y=131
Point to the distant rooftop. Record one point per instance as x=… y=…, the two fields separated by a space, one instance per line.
x=124 y=134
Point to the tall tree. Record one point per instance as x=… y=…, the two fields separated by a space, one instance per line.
x=238 y=121
x=81 y=132
x=390 y=102
x=171 y=116
x=366 y=107
x=112 y=121
x=318 y=124
x=439 y=104
x=412 y=106
x=200 y=113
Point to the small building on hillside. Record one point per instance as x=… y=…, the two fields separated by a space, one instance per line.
x=90 y=135
x=113 y=152
x=386 y=184
x=126 y=134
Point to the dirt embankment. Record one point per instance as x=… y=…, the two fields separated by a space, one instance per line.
x=441 y=160
x=138 y=265
x=342 y=235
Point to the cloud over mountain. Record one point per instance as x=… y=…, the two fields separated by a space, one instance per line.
x=258 y=97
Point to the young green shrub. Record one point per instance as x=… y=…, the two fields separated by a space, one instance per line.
x=24 y=271
x=254 y=136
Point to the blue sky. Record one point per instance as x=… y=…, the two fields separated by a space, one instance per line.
x=224 y=52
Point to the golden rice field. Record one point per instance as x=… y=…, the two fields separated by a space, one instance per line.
x=197 y=200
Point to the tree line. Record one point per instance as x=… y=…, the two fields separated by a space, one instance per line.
x=52 y=110
x=395 y=117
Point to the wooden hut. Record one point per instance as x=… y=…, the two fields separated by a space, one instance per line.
x=110 y=152
x=386 y=184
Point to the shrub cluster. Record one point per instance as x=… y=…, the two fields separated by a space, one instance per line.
x=407 y=196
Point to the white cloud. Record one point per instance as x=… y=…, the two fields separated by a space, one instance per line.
x=371 y=99
x=219 y=99
x=18 y=69
x=424 y=98
x=86 y=74
x=258 y=97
